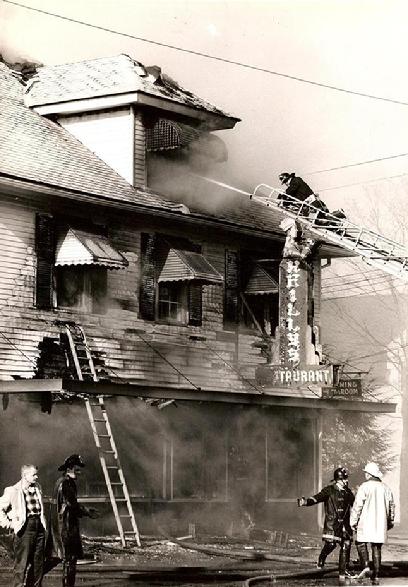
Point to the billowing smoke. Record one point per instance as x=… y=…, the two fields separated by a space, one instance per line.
x=217 y=466
x=180 y=175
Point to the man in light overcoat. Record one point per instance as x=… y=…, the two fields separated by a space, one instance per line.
x=372 y=516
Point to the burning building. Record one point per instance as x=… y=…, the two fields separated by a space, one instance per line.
x=186 y=313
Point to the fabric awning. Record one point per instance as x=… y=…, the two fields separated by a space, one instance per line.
x=261 y=282
x=78 y=247
x=188 y=266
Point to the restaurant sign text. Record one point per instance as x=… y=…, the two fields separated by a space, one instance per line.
x=300 y=376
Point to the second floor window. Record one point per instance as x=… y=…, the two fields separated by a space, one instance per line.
x=81 y=288
x=251 y=294
x=173 y=302
x=173 y=273
x=72 y=265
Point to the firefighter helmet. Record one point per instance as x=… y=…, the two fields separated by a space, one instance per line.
x=340 y=473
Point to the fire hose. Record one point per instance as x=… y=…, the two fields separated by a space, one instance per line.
x=296 y=575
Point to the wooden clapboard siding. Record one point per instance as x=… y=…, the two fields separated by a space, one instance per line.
x=140 y=170
x=215 y=362
x=16 y=246
x=109 y=134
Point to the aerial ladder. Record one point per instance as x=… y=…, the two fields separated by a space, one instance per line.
x=102 y=433
x=375 y=249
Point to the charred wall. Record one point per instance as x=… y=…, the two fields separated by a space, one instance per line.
x=203 y=353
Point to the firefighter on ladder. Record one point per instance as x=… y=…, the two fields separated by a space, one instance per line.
x=296 y=191
x=338 y=500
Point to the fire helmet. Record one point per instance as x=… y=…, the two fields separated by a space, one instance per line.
x=340 y=473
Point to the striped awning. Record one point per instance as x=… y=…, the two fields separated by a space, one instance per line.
x=79 y=247
x=261 y=282
x=188 y=266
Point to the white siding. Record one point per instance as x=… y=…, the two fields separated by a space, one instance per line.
x=109 y=135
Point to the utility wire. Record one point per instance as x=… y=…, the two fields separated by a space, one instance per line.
x=338 y=275
x=168 y=362
x=365 y=286
x=350 y=185
x=234 y=369
x=357 y=164
x=359 y=279
x=209 y=56
x=359 y=284
x=356 y=295
x=17 y=349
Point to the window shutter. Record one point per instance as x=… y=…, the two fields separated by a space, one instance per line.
x=195 y=304
x=147 y=299
x=45 y=249
x=231 y=299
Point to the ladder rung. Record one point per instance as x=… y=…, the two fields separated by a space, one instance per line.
x=125 y=516
x=121 y=499
x=117 y=483
x=99 y=420
x=104 y=435
x=111 y=452
x=112 y=467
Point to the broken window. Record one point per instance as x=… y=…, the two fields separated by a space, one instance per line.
x=251 y=295
x=81 y=288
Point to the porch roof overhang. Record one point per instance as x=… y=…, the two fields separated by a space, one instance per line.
x=137 y=390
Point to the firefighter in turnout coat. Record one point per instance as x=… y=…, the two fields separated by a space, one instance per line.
x=64 y=539
x=338 y=500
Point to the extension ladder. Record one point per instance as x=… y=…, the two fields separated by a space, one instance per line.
x=102 y=432
x=375 y=249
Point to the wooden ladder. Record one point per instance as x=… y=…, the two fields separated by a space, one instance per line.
x=376 y=250
x=102 y=433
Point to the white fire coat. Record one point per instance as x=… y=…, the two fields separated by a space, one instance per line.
x=373 y=511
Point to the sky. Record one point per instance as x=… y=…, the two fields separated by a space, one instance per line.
x=286 y=125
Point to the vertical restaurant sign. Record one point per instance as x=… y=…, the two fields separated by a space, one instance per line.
x=292 y=312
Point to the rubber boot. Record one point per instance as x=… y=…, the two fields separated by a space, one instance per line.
x=376 y=552
x=344 y=561
x=328 y=547
x=69 y=572
x=364 y=560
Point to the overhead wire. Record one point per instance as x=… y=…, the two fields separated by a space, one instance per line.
x=336 y=275
x=355 y=295
x=349 y=185
x=365 y=286
x=11 y=343
x=360 y=279
x=234 y=369
x=386 y=158
x=168 y=362
x=209 y=56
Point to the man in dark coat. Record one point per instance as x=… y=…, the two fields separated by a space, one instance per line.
x=64 y=539
x=338 y=500
x=296 y=190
